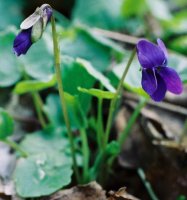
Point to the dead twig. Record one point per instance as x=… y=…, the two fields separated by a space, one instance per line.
x=117 y=36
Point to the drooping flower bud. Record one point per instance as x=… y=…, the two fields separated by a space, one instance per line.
x=32 y=29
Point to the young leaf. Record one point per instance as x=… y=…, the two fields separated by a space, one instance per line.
x=97 y=93
x=34 y=85
x=6 y=124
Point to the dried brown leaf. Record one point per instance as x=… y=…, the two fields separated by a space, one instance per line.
x=121 y=194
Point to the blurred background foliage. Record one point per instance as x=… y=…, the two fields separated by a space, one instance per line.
x=88 y=59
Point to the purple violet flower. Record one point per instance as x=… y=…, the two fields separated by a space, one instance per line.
x=32 y=29
x=157 y=77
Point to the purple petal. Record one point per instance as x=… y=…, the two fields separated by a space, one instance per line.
x=163 y=47
x=160 y=92
x=22 y=42
x=49 y=12
x=149 y=82
x=172 y=80
x=149 y=54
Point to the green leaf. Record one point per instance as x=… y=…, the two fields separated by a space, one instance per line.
x=80 y=42
x=113 y=148
x=48 y=166
x=34 y=85
x=42 y=174
x=112 y=46
x=52 y=140
x=99 y=13
x=176 y=25
x=12 y=13
x=80 y=73
x=10 y=71
x=179 y=44
x=98 y=93
x=6 y=124
x=96 y=74
x=75 y=113
x=48 y=140
x=159 y=9
x=75 y=75
x=134 y=7
x=181 y=197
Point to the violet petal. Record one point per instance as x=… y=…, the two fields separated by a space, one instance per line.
x=22 y=42
x=163 y=47
x=149 y=82
x=149 y=54
x=49 y=13
x=172 y=80
x=160 y=92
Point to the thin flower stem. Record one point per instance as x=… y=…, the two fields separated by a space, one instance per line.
x=183 y=134
x=125 y=133
x=16 y=147
x=37 y=103
x=114 y=100
x=38 y=106
x=131 y=121
x=100 y=130
x=62 y=97
x=86 y=154
x=147 y=184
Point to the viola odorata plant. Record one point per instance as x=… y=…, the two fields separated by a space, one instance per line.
x=157 y=76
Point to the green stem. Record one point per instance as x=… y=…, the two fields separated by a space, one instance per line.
x=62 y=97
x=127 y=129
x=37 y=103
x=85 y=152
x=114 y=100
x=147 y=184
x=100 y=130
x=16 y=147
x=131 y=121
x=38 y=106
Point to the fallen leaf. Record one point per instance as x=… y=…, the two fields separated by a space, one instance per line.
x=121 y=194
x=91 y=191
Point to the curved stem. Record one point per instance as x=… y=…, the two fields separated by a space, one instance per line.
x=147 y=184
x=131 y=121
x=62 y=97
x=16 y=147
x=100 y=130
x=85 y=152
x=114 y=100
x=38 y=106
